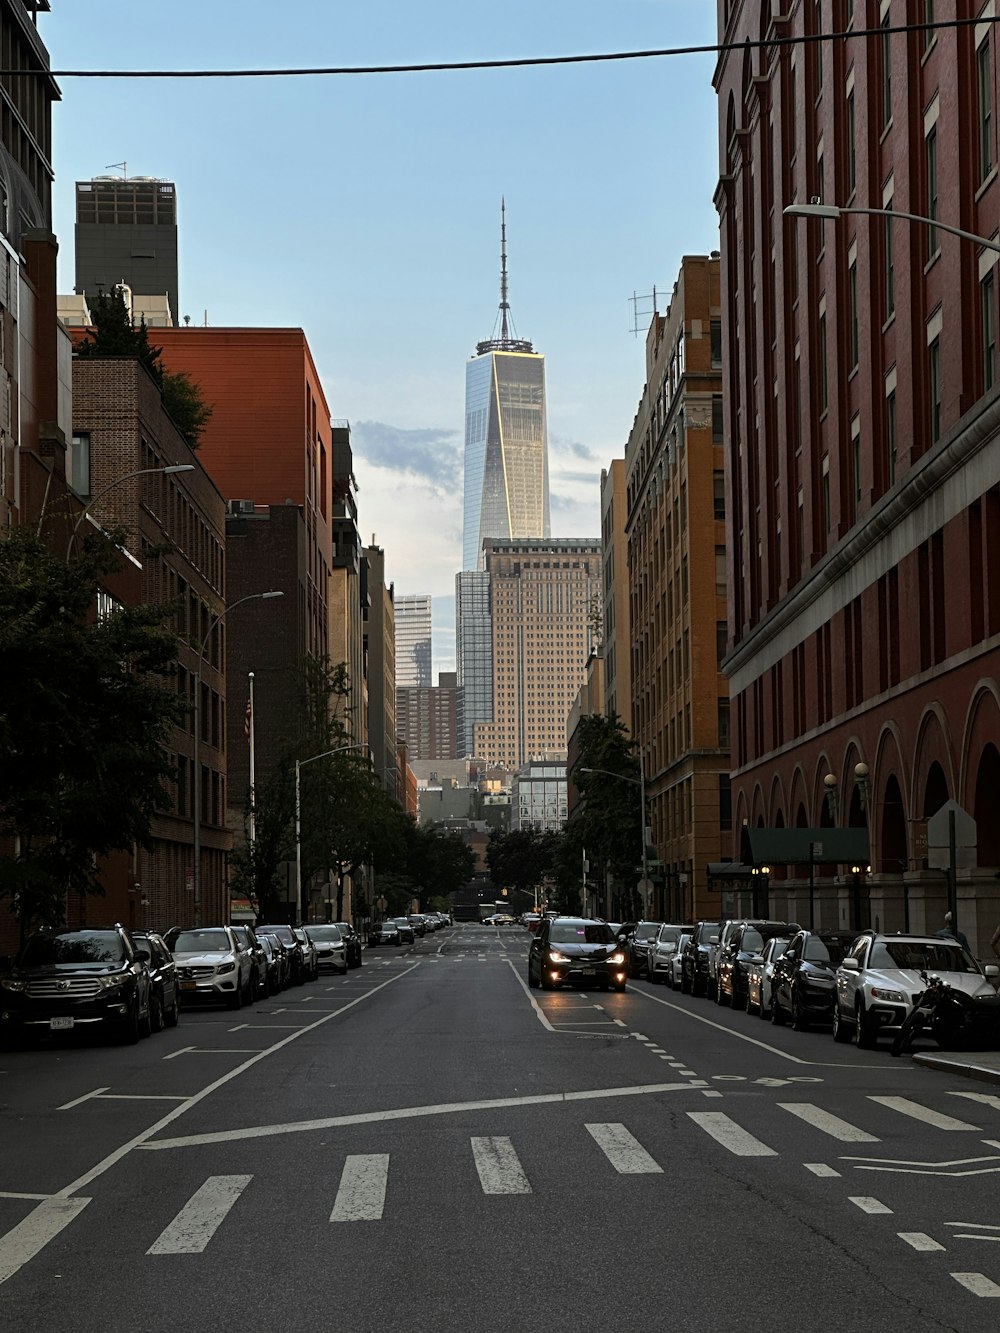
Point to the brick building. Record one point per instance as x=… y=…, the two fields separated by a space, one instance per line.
x=427 y=718
x=862 y=411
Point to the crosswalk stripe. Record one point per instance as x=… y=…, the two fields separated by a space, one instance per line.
x=625 y=1153
x=919 y=1240
x=977 y=1283
x=923 y=1113
x=730 y=1135
x=868 y=1204
x=361 y=1195
x=31 y=1235
x=499 y=1170
x=200 y=1218
x=827 y=1122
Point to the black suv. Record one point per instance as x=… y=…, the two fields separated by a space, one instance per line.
x=165 y=985
x=694 y=964
x=66 y=980
x=744 y=940
x=804 y=985
x=571 y=948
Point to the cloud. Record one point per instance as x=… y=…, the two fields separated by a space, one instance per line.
x=573 y=447
x=579 y=479
x=433 y=454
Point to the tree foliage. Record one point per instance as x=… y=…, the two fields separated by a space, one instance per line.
x=85 y=712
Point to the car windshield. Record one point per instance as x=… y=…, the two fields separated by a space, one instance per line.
x=91 y=946
x=388 y=926
x=645 y=930
x=922 y=955
x=402 y=921
x=825 y=951
x=669 y=935
x=580 y=932
x=327 y=934
x=200 y=941
x=279 y=932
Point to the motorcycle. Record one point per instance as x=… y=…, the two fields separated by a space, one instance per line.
x=955 y=1020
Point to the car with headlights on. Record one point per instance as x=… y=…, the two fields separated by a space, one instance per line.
x=579 y=950
x=92 y=979
x=352 y=941
x=165 y=989
x=760 y=976
x=805 y=977
x=661 y=952
x=880 y=977
x=330 y=947
x=212 y=965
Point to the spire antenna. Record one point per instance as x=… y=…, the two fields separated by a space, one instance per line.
x=508 y=341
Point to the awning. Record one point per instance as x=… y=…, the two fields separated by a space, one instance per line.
x=729 y=872
x=798 y=846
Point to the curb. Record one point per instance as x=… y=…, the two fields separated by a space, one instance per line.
x=981 y=1072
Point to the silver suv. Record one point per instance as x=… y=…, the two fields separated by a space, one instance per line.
x=212 y=964
x=879 y=978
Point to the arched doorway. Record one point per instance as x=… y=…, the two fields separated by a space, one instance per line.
x=894 y=858
x=985 y=812
x=935 y=790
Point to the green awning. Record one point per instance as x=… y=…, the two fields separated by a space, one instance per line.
x=791 y=846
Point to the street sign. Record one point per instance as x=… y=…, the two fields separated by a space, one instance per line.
x=939 y=837
x=645 y=887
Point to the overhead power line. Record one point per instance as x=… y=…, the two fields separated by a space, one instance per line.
x=521 y=62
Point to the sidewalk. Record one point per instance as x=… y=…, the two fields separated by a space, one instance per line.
x=982 y=1065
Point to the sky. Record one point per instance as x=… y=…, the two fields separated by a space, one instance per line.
x=365 y=209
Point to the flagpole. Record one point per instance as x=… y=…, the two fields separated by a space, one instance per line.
x=250 y=738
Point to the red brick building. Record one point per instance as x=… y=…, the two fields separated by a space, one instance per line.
x=862 y=421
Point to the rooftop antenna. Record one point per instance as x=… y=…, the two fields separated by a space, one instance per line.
x=508 y=340
x=118 y=166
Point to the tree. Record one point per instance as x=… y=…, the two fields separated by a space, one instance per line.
x=187 y=408
x=437 y=862
x=608 y=822
x=85 y=713
x=519 y=860
x=257 y=866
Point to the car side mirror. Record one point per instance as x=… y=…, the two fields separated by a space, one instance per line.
x=851 y=965
x=143 y=955
x=990 y=970
x=756 y=958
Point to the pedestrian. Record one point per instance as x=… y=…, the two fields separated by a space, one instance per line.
x=949 y=933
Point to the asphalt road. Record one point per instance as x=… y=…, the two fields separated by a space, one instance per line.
x=425 y=1144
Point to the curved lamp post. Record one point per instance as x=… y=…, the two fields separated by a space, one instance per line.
x=639 y=782
x=196 y=785
x=126 y=476
x=300 y=764
x=831 y=212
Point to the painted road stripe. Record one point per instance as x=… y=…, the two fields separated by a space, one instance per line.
x=977 y=1283
x=919 y=1240
x=984 y=1098
x=78 y=1101
x=625 y=1153
x=41 y=1225
x=499 y=1169
x=828 y=1123
x=821 y=1169
x=868 y=1204
x=730 y=1135
x=200 y=1218
x=361 y=1196
x=923 y=1113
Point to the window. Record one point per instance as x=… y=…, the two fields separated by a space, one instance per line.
x=824 y=388
x=723 y=724
x=721 y=640
x=715 y=331
x=934 y=387
x=717 y=418
x=720 y=571
x=852 y=287
x=988 y=323
x=931 y=182
x=826 y=493
x=890 y=428
x=984 y=107
x=852 y=152
x=719 y=494
x=855 y=468
x=80 y=463
x=889 y=258
x=929 y=34
x=886 y=52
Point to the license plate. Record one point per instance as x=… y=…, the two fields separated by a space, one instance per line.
x=587 y=971
x=57 y=1023
x=189 y=985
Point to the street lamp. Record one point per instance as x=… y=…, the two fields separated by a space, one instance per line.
x=196 y=785
x=834 y=211
x=300 y=764
x=832 y=795
x=126 y=476
x=639 y=782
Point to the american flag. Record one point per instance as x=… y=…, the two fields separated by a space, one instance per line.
x=248 y=721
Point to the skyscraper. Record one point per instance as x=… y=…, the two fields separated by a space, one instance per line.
x=506 y=450
x=413 y=639
x=126 y=232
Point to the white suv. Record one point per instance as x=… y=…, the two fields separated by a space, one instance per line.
x=879 y=979
x=212 y=964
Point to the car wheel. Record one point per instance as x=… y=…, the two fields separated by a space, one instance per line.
x=778 y=1016
x=800 y=1019
x=235 y=1000
x=128 y=1029
x=699 y=987
x=532 y=983
x=156 y=1015
x=146 y=1023
x=841 y=1032
x=865 y=1031
x=545 y=985
x=171 y=1016
x=343 y=970
x=721 y=998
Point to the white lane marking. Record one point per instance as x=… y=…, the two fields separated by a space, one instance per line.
x=732 y=1032
x=200 y=1218
x=923 y=1113
x=977 y=1283
x=361 y=1195
x=828 y=1123
x=867 y=1204
x=68 y=1106
x=34 y=1198
x=984 y=1098
x=730 y=1135
x=500 y=1171
x=919 y=1240
x=183 y=1050
x=410 y=1113
x=531 y=999
x=821 y=1169
x=965 y=1235
x=618 y=1022
x=980 y=1226
x=711 y=1092
x=42 y=1224
x=639 y=1036
x=238 y=1028
x=625 y=1153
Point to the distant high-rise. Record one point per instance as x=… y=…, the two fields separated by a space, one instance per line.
x=413 y=639
x=506 y=451
x=126 y=232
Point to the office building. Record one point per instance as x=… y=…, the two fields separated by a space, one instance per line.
x=346 y=613
x=473 y=655
x=427 y=718
x=378 y=599
x=862 y=405
x=126 y=234
x=538 y=798
x=506 y=449
x=413 y=639
x=541 y=599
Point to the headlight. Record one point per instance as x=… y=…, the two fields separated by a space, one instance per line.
x=106 y=983
x=617 y=957
x=226 y=967
x=894 y=996
x=8 y=983
x=556 y=957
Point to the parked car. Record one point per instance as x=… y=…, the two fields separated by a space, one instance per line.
x=276 y=972
x=352 y=942
x=247 y=937
x=760 y=974
x=77 y=980
x=635 y=937
x=407 y=934
x=285 y=936
x=741 y=941
x=880 y=974
x=165 y=990
x=674 y=975
x=530 y=921
x=417 y=924
x=805 y=977
x=212 y=965
x=330 y=947
x=661 y=952
x=694 y=963
x=310 y=963
x=577 y=949
x=388 y=932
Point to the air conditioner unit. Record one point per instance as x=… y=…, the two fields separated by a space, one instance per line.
x=241 y=506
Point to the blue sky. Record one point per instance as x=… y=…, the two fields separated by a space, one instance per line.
x=365 y=209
